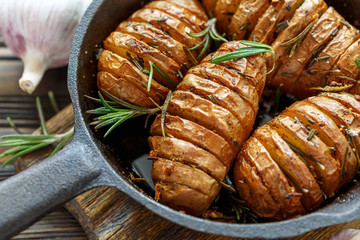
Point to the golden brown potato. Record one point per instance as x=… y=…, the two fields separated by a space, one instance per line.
x=303 y=16
x=196 y=134
x=185 y=152
x=129 y=47
x=316 y=138
x=193 y=6
x=229 y=78
x=274 y=18
x=208 y=114
x=170 y=25
x=122 y=89
x=329 y=133
x=158 y=39
x=314 y=75
x=292 y=167
x=276 y=196
x=213 y=109
x=221 y=95
x=224 y=11
x=167 y=171
x=318 y=36
x=182 y=198
x=121 y=67
x=246 y=16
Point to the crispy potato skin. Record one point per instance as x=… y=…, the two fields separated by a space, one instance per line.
x=308 y=59
x=320 y=164
x=213 y=109
x=118 y=86
x=158 y=34
x=318 y=36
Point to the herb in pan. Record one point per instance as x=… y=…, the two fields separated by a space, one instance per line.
x=26 y=143
x=151 y=73
x=209 y=32
x=253 y=48
x=116 y=112
x=243 y=213
x=333 y=89
x=357 y=62
x=295 y=42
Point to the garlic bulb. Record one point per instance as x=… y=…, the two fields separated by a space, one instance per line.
x=347 y=234
x=40 y=33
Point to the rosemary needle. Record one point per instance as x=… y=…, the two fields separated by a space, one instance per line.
x=115 y=112
x=253 y=48
x=209 y=32
x=357 y=62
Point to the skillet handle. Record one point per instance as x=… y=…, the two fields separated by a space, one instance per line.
x=29 y=195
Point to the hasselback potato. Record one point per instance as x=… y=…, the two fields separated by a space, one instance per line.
x=315 y=47
x=298 y=159
x=209 y=116
x=157 y=35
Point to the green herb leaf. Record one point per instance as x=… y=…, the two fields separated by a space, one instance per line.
x=116 y=112
x=357 y=62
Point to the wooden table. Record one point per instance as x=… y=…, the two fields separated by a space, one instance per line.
x=122 y=217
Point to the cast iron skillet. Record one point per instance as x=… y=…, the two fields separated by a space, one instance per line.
x=87 y=162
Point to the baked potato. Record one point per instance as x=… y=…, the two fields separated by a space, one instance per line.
x=209 y=116
x=156 y=34
x=315 y=48
x=298 y=159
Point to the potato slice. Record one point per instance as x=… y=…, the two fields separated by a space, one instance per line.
x=341 y=115
x=329 y=133
x=126 y=45
x=254 y=191
x=303 y=16
x=292 y=166
x=229 y=78
x=270 y=195
x=200 y=136
x=209 y=6
x=246 y=16
x=205 y=113
x=315 y=152
x=253 y=68
x=166 y=171
x=266 y=28
x=185 y=152
x=121 y=67
x=122 y=89
x=222 y=96
x=193 y=6
x=180 y=13
x=346 y=99
x=314 y=75
x=346 y=65
x=158 y=39
x=224 y=11
x=182 y=198
x=319 y=35
x=165 y=22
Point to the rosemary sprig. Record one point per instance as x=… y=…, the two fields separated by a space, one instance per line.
x=253 y=48
x=116 y=112
x=311 y=134
x=295 y=42
x=26 y=143
x=243 y=213
x=151 y=74
x=357 y=62
x=209 y=32
x=333 y=89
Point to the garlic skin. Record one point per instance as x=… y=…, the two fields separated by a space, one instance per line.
x=347 y=234
x=40 y=33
